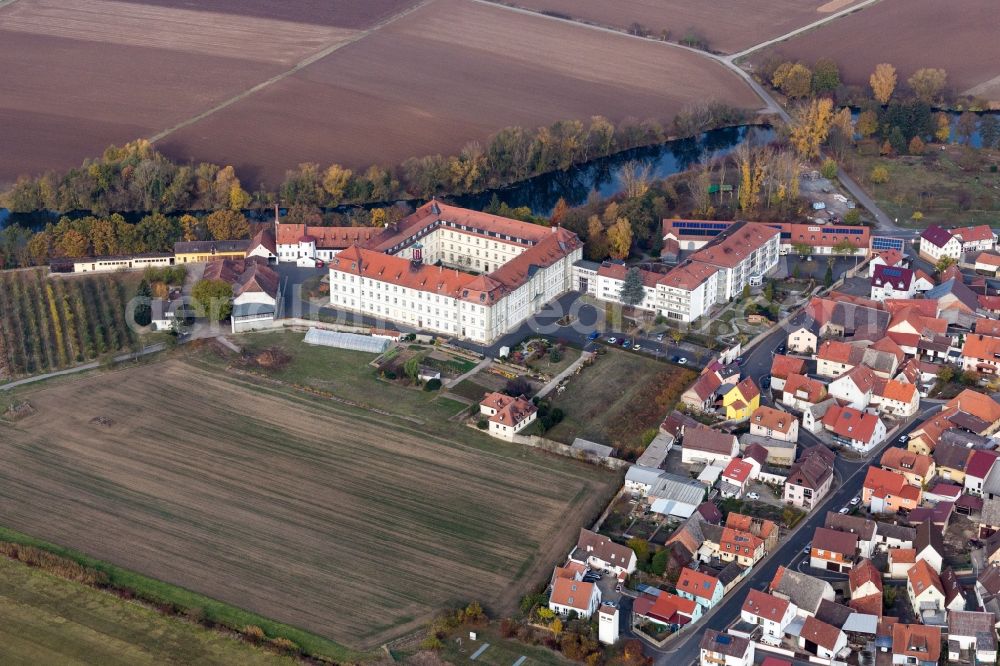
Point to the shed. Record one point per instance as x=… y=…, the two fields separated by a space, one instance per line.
x=657 y=451
x=710 y=475
x=601 y=451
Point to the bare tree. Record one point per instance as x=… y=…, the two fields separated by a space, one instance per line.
x=635 y=178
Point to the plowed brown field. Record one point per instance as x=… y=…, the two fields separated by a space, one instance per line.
x=266 y=86
x=909 y=34
x=729 y=26
x=352 y=525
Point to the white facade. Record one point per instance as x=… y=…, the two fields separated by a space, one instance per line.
x=608 y=624
x=112 y=264
x=952 y=249
x=845 y=389
x=773 y=629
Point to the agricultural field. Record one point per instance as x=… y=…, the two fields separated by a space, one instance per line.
x=47 y=619
x=936 y=185
x=909 y=34
x=619 y=399
x=50 y=324
x=405 y=79
x=724 y=26
x=440 y=76
x=346 y=520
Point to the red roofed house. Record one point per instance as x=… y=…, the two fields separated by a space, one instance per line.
x=833 y=550
x=927 y=597
x=979 y=405
x=855 y=387
x=981 y=353
x=700 y=587
x=896 y=398
x=821 y=639
x=666 y=609
x=901 y=560
x=743 y=547
x=918 y=469
x=865 y=582
x=892 y=258
x=784 y=366
x=859 y=430
x=735 y=478
x=987 y=262
x=975 y=239
x=574 y=595
x=772 y=614
x=507 y=415
x=701 y=395
x=977 y=469
x=888 y=492
x=599 y=552
x=774 y=423
x=916 y=644
x=801 y=392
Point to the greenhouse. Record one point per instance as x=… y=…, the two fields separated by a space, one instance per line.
x=352 y=341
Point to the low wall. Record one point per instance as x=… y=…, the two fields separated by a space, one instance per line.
x=568 y=451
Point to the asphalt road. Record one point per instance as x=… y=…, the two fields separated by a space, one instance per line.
x=850 y=476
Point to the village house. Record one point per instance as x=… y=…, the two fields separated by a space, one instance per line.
x=761 y=528
x=978 y=405
x=926 y=594
x=600 y=552
x=735 y=477
x=777 y=452
x=894 y=535
x=929 y=545
x=866 y=530
x=865 y=583
x=972 y=637
x=989 y=518
x=858 y=430
x=705 y=445
x=889 y=282
x=901 y=560
x=718 y=649
x=937 y=243
x=922 y=282
x=507 y=415
x=890 y=258
x=918 y=469
x=988 y=589
x=821 y=639
x=700 y=587
x=801 y=392
x=741 y=401
x=915 y=645
x=741 y=547
x=803 y=334
x=810 y=478
x=977 y=470
x=772 y=614
x=700 y=396
x=987 y=262
x=855 y=387
x=782 y=366
x=832 y=550
x=812 y=416
x=774 y=423
x=981 y=354
x=805 y=592
x=975 y=239
x=569 y=595
x=955 y=301
x=835 y=358
x=666 y=609
x=888 y=492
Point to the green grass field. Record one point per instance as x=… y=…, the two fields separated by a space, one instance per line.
x=936 y=185
x=45 y=619
x=617 y=399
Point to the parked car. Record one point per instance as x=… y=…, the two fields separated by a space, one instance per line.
x=682 y=361
x=805 y=551
x=320 y=263
x=612 y=341
x=593 y=336
x=659 y=337
x=856 y=500
x=843 y=510
x=753 y=496
x=637 y=348
x=740 y=360
x=903 y=439
x=626 y=343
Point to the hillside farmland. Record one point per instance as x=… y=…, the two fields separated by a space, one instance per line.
x=358 y=84
x=909 y=34
x=52 y=324
x=349 y=523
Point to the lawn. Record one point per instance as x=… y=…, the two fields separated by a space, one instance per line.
x=935 y=185
x=47 y=619
x=618 y=398
x=501 y=651
x=352 y=521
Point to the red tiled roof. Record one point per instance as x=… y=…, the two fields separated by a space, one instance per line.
x=850 y=423
x=825 y=235
x=783 y=366
x=870 y=604
x=688 y=276
x=738 y=471
x=840 y=352
x=815 y=390
x=899 y=391
x=979 y=233
x=326 y=238
x=697 y=583
x=572 y=593
x=889 y=257
x=917 y=640
x=772 y=419
x=865 y=572
x=735 y=244
x=980 y=464
x=896 y=278
x=883 y=482
x=988 y=326
x=936 y=235
x=835 y=541
x=748 y=389
x=820 y=633
x=862 y=376
x=765 y=605
x=922 y=578
x=618 y=271
x=901 y=460
x=978 y=404
x=903 y=555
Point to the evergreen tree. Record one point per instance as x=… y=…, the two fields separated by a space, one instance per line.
x=632 y=292
x=143 y=310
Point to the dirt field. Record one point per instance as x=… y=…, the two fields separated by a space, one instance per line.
x=421 y=82
x=350 y=524
x=48 y=620
x=728 y=25
x=909 y=34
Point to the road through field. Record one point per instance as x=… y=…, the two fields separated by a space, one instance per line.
x=352 y=525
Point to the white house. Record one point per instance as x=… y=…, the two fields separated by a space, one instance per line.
x=574 y=595
x=821 y=639
x=859 y=430
x=507 y=415
x=855 y=387
x=718 y=649
x=772 y=614
x=608 y=624
x=976 y=239
x=255 y=297
x=889 y=282
x=600 y=552
x=705 y=445
x=973 y=633
x=937 y=243
x=774 y=423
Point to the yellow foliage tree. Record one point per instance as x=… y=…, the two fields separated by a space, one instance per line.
x=797 y=82
x=597 y=243
x=810 y=126
x=927 y=83
x=238 y=198
x=335 y=181
x=620 y=238
x=556 y=626
x=879 y=175
x=943 y=131
x=379 y=217
x=227 y=225
x=916 y=146
x=867 y=123
x=189 y=227
x=883 y=82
